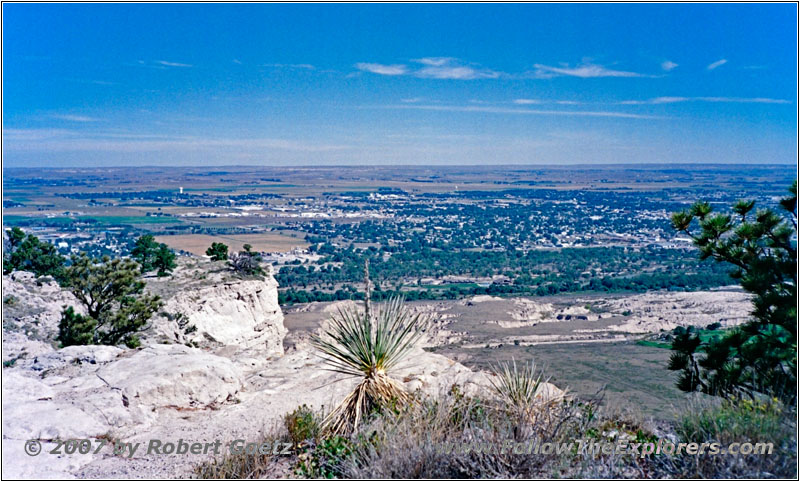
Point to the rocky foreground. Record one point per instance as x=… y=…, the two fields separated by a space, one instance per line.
x=218 y=364
x=212 y=367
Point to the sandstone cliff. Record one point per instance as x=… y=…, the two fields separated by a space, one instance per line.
x=231 y=381
x=237 y=318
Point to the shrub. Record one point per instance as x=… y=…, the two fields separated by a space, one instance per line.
x=434 y=438
x=246 y=262
x=744 y=421
x=517 y=387
x=326 y=459
x=302 y=425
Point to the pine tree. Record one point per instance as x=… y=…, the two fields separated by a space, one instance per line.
x=27 y=253
x=113 y=295
x=164 y=260
x=75 y=329
x=218 y=252
x=144 y=252
x=759 y=356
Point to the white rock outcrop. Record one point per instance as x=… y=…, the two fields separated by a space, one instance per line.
x=243 y=315
x=173 y=376
x=31 y=312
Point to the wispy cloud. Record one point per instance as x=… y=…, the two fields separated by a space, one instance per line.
x=526 y=101
x=718 y=63
x=62 y=140
x=382 y=69
x=159 y=64
x=584 y=70
x=656 y=100
x=449 y=68
x=74 y=118
x=737 y=100
x=431 y=68
x=167 y=63
x=520 y=111
x=537 y=101
x=291 y=66
x=668 y=65
x=92 y=81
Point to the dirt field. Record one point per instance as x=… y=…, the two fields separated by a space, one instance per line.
x=198 y=243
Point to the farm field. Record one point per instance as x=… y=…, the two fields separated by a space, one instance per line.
x=198 y=243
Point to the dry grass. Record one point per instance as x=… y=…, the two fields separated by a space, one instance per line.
x=251 y=466
x=428 y=440
x=198 y=243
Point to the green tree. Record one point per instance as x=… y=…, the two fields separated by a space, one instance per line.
x=27 y=253
x=144 y=252
x=114 y=299
x=218 y=251
x=759 y=356
x=164 y=260
x=14 y=237
x=75 y=329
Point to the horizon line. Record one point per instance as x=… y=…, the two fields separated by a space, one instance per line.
x=430 y=166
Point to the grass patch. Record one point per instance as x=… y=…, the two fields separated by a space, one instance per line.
x=655 y=344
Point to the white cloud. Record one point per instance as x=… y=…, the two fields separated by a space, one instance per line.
x=434 y=61
x=716 y=64
x=738 y=100
x=74 y=118
x=432 y=68
x=450 y=68
x=512 y=111
x=668 y=65
x=536 y=101
x=656 y=100
x=455 y=72
x=382 y=69
x=585 y=71
x=745 y=100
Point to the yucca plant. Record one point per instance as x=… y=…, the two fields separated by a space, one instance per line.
x=362 y=344
x=516 y=386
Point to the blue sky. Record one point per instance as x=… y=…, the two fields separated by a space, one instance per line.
x=161 y=84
